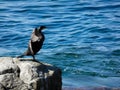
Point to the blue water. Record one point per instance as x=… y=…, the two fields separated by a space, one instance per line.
x=82 y=37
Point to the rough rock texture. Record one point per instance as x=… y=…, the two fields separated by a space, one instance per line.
x=26 y=74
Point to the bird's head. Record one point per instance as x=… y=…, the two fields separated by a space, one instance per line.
x=41 y=28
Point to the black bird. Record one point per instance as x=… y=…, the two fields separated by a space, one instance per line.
x=35 y=43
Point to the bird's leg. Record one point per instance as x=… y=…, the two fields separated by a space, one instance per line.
x=33 y=57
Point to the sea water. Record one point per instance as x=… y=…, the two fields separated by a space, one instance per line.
x=82 y=37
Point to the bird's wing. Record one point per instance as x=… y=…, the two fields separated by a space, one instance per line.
x=30 y=46
x=34 y=38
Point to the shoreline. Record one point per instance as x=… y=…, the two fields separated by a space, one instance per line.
x=91 y=88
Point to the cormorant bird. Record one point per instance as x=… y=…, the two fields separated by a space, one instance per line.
x=35 y=43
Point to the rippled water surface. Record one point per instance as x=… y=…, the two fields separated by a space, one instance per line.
x=82 y=37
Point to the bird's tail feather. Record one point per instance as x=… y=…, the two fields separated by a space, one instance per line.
x=20 y=56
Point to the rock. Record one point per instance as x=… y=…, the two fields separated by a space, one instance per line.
x=1 y=87
x=26 y=74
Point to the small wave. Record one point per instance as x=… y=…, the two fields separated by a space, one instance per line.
x=116 y=52
x=85 y=72
x=102 y=7
x=3 y=51
x=98 y=30
x=102 y=48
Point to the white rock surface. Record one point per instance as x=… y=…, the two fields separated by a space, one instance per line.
x=26 y=74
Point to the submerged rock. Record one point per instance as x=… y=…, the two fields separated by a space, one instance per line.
x=26 y=74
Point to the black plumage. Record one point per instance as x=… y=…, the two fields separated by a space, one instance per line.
x=35 y=43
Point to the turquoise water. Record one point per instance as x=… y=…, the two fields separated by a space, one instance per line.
x=82 y=37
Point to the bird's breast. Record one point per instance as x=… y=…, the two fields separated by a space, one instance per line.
x=34 y=38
